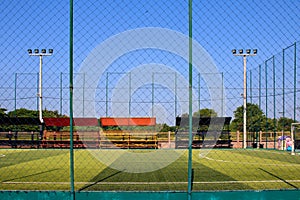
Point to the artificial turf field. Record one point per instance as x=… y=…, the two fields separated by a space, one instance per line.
x=148 y=170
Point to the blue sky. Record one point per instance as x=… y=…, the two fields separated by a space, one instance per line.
x=218 y=26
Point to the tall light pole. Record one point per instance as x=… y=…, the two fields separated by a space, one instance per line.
x=244 y=55
x=40 y=54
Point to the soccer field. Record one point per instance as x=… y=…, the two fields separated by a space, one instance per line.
x=149 y=170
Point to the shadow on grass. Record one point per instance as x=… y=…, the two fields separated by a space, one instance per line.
x=279 y=178
x=30 y=175
x=97 y=179
x=282 y=156
x=173 y=177
x=19 y=157
x=207 y=178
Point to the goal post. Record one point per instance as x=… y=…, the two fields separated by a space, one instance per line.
x=293 y=125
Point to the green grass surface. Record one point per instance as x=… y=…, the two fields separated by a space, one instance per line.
x=148 y=170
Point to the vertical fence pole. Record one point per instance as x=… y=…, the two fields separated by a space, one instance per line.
x=16 y=76
x=152 y=91
x=251 y=112
x=199 y=106
x=266 y=77
x=190 y=102
x=251 y=86
x=295 y=79
x=175 y=95
x=274 y=100
x=223 y=101
x=259 y=86
x=129 y=83
x=106 y=95
x=71 y=105
x=83 y=88
x=283 y=85
x=60 y=94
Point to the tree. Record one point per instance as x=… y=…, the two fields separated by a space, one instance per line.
x=284 y=123
x=255 y=118
x=205 y=112
x=165 y=128
x=3 y=112
x=23 y=112
x=26 y=113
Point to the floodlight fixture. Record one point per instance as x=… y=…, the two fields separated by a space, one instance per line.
x=245 y=55
x=40 y=53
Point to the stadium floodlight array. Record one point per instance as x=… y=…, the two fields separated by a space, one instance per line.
x=241 y=53
x=41 y=53
x=37 y=52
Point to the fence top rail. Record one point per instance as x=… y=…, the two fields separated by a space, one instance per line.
x=201 y=121
x=66 y=122
x=104 y=121
x=19 y=121
x=127 y=121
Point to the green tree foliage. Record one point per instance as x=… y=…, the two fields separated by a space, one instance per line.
x=3 y=112
x=165 y=128
x=25 y=113
x=255 y=118
x=257 y=121
x=205 y=112
x=284 y=123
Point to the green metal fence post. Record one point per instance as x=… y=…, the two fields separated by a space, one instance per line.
x=259 y=86
x=190 y=101
x=199 y=106
x=71 y=105
x=152 y=94
x=295 y=79
x=60 y=94
x=83 y=88
x=175 y=99
x=16 y=76
x=129 y=85
x=274 y=100
x=283 y=85
x=266 y=77
x=251 y=86
x=106 y=95
x=223 y=100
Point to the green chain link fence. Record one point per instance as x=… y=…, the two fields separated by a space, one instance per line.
x=153 y=93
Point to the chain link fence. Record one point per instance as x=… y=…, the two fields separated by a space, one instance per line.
x=141 y=69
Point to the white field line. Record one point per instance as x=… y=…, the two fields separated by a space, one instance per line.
x=153 y=183
x=250 y=163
